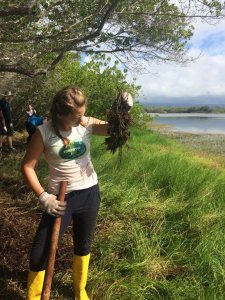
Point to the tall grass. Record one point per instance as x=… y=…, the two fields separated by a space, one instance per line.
x=160 y=232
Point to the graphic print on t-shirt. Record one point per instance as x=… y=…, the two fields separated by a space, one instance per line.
x=74 y=150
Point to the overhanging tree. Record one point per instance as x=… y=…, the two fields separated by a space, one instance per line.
x=36 y=34
x=99 y=79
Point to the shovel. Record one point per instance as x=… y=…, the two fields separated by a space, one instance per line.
x=46 y=290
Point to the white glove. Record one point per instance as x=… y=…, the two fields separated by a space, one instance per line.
x=51 y=205
x=5 y=128
x=128 y=99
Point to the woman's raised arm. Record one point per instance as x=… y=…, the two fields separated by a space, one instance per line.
x=100 y=127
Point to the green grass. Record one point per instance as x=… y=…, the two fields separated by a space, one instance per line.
x=161 y=224
x=160 y=231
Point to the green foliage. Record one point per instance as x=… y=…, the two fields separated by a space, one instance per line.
x=100 y=79
x=139 y=116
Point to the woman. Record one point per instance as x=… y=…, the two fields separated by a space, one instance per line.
x=32 y=123
x=65 y=141
x=30 y=111
x=5 y=108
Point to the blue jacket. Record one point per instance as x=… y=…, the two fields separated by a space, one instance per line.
x=36 y=120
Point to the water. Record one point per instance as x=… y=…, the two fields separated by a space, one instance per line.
x=194 y=123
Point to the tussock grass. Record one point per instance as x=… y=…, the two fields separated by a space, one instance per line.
x=163 y=219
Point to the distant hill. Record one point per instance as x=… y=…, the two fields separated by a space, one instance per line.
x=181 y=104
x=184 y=101
x=206 y=109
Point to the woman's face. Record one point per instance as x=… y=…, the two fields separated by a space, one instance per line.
x=71 y=120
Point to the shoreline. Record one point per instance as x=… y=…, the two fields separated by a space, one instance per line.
x=211 y=143
x=190 y=115
x=170 y=128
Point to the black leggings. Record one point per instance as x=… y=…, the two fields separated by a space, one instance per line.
x=82 y=207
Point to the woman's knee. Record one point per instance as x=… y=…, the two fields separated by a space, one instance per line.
x=82 y=251
x=83 y=247
x=38 y=262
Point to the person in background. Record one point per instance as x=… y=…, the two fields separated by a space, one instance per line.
x=3 y=128
x=7 y=128
x=31 y=124
x=31 y=111
x=65 y=142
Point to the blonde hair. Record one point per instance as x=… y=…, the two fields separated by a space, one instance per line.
x=65 y=102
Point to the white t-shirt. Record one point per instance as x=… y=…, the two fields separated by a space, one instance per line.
x=70 y=163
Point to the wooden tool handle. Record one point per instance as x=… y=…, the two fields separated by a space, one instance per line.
x=46 y=291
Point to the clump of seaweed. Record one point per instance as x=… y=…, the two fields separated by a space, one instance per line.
x=119 y=121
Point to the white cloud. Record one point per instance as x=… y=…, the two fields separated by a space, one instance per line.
x=205 y=76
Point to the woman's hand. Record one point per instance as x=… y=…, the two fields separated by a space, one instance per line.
x=51 y=205
x=127 y=98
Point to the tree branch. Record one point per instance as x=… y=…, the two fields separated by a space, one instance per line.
x=87 y=37
x=39 y=38
x=20 y=70
x=15 y=11
x=170 y=15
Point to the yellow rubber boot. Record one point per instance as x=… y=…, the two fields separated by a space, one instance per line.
x=80 y=272
x=35 y=284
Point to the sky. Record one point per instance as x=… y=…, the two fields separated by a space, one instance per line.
x=200 y=82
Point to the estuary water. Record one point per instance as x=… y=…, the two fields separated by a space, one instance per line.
x=192 y=122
